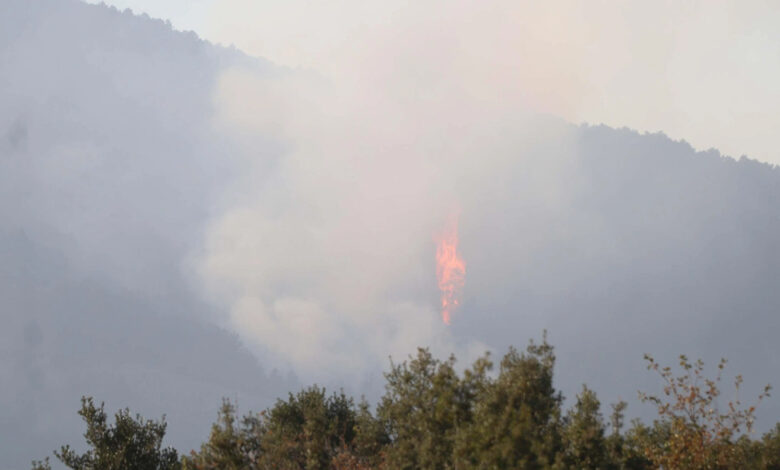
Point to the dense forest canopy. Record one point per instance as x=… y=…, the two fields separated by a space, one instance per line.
x=433 y=416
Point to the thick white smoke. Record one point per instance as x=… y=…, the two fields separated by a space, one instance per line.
x=322 y=252
x=324 y=257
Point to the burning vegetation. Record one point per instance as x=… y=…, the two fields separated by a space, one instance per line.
x=450 y=269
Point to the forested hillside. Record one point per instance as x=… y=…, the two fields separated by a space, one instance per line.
x=119 y=184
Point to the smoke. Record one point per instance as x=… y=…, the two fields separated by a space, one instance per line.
x=649 y=66
x=324 y=254
x=308 y=199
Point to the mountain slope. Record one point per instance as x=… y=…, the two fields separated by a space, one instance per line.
x=106 y=169
x=113 y=175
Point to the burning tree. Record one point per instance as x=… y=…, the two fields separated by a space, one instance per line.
x=450 y=269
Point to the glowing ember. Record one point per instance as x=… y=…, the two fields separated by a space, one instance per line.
x=450 y=269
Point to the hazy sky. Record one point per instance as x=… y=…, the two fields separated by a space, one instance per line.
x=706 y=72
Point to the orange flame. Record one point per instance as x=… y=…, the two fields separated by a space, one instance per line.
x=450 y=269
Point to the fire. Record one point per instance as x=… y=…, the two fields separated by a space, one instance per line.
x=450 y=269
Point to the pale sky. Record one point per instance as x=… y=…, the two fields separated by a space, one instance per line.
x=706 y=72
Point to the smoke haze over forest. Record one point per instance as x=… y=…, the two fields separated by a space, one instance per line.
x=180 y=221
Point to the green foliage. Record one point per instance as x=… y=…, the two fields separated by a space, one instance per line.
x=768 y=452
x=131 y=443
x=230 y=446
x=586 y=446
x=308 y=430
x=433 y=417
x=517 y=416
x=41 y=464
x=371 y=437
x=624 y=451
x=422 y=408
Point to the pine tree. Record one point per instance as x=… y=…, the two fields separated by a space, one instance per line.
x=229 y=446
x=586 y=446
x=517 y=417
x=422 y=408
x=131 y=443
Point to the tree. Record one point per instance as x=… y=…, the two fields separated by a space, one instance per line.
x=424 y=405
x=432 y=417
x=307 y=431
x=770 y=450
x=517 y=417
x=229 y=446
x=131 y=443
x=371 y=439
x=585 y=445
x=625 y=451
x=695 y=433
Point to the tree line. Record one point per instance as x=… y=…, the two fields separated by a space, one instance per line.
x=504 y=416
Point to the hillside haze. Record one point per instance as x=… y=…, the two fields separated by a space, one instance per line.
x=106 y=169
x=156 y=256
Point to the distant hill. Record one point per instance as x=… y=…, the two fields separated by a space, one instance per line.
x=110 y=171
x=656 y=248
x=106 y=166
